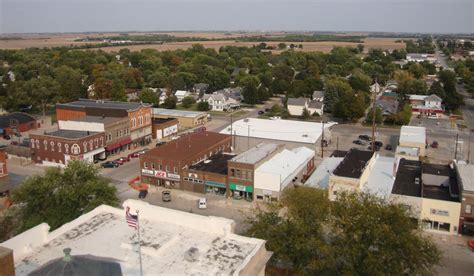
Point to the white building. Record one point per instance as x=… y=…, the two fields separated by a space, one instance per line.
x=181 y=94
x=412 y=143
x=296 y=106
x=286 y=168
x=220 y=102
x=172 y=243
x=430 y=106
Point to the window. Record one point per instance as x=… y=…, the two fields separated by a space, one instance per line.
x=52 y=145
x=237 y=174
x=232 y=172
x=66 y=148
x=37 y=144
x=160 y=167
x=32 y=142
x=468 y=208
x=134 y=122
x=59 y=147
x=102 y=141
x=75 y=149
x=167 y=168
x=175 y=170
x=153 y=165
x=145 y=165
x=84 y=144
x=109 y=137
x=45 y=144
x=96 y=142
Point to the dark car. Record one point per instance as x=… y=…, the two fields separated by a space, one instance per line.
x=261 y=112
x=359 y=142
x=388 y=147
x=110 y=164
x=365 y=137
x=434 y=144
x=17 y=134
x=6 y=137
x=166 y=196
x=161 y=143
x=267 y=109
x=377 y=144
x=142 y=193
x=376 y=148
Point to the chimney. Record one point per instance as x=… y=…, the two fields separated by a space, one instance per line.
x=7 y=266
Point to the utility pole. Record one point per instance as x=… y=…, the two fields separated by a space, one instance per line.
x=469 y=147
x=373 y=116
x=322 y=138
x=231 y=132
x=456 y=147
x=248 y=137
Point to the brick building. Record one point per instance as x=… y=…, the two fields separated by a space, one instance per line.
x=58 y=147
x=4 y=180
x=117 y=130
x=167 y=164
x=17 y=122
x=164 y=127
x=139 y=115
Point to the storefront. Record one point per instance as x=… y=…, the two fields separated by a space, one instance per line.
x=216 y=188
x=161 y=178
x=241 y=191
x=118 y=147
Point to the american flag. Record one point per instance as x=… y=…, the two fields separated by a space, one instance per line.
x=132 y=220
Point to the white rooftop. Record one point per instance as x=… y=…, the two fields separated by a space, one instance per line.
x=417 y=97
x=177 y=113
x=412 y=134
x=407 y=151
x=180 y=93
x=466 y=175
x=320 y=177
x=381 y=178
x=255 y=154
x=286 y=164
x=173 y=242
x=283 y=130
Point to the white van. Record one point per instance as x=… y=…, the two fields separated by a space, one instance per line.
x=202 y=203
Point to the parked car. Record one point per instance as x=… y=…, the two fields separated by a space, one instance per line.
x=133 y=155
x=15 y=143
x=119 y=161
x=267 y=109
x=376 y=148
x=166 y=196
x=365 y=137
x=434 y=144
x=6 y=137
x=377 y=144
x=110 y=164
x=140 y=152
x=470 y=244
x=125 y=159
x=388 y=147
x=260 y=112
x=142 y=193
x=359 y=142
x=202 y=203
x=160 y=143
x=17 y=134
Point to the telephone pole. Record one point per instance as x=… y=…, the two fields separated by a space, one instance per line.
x=322 y=138
x=373 y=116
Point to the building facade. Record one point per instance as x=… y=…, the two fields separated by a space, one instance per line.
x=465 y=176
x=61 y=146
x=17 y=122
x=164 y=127
x=186 y=119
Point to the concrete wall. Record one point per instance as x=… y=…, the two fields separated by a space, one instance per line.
x=420 y=146
x=453 y=210
x=339 y=184
x=78 y=125
x=267 y=181
x=295 y=110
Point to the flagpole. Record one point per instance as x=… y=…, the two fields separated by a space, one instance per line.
x=139 y=244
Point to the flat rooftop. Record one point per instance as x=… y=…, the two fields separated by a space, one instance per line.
x=439 y=193
x=177 y=113
x=71 y=134
x=283 y=130
x=353 y=163
x=413 y=134
x=215 y=164
x=380 y=180
x=320 y=177
x=162 y=120
x=407 y=172
x=339 y=153
x=256 y=154
x=99 y=119
x=172 y=242
x=437 y=169
x=82 y=103
x=466 y=176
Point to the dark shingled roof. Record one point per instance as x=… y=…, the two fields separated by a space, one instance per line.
x=216 y=164
x=339 y=153
x=20 y=116
x=408 y=171
x=353 y=163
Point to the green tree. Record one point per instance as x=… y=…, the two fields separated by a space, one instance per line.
x=188 y=102
x=378 y=116
x=416 y=70
x=281 y=46
x=203 y=106
x=148 y=96
x=60 y=196
x=249 y=85
x=360 y=81
x=70 y=83
x=350 y=105
x=305 y=115
x=118 y=91
x=358 y=234
x=170 y=102
x=334 y=87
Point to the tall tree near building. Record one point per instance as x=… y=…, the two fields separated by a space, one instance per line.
x=170 y=102
x=333 y=88
x=249 y=85
x=358 y=234
x=360 y=81
x=305 y=115
x=148 y=96
x=60 y=196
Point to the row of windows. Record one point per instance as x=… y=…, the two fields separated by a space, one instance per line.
x=75 y=148
x=193 y=180
x=241 y=174
x=159 y=167
x=119 y=133
x=140 y=120
x=216 y=151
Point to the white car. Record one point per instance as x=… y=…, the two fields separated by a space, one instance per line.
x=202 y=203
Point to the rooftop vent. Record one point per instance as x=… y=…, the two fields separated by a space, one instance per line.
x=192 y=254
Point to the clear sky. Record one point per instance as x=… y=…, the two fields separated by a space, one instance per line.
x=441 y=16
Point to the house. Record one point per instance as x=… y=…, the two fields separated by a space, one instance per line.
x=430 y=106
x=164 y=127
x=233 y=93
x=220 y=101
x=5 y=184
x=172 y=243
x=132 y=94
x=17 y=122
x=316 y=107
x=415 y=57
x=375 y=88
x=162 y=95
x=181 y=94
x=412 y=143
x=200 y=88
x=318 y=96
x=388 y=107
x=389 y=95
x=297 y=105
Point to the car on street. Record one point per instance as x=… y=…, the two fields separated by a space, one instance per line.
x=267 y=109
x=17 y=134
x=365 y=137
x=160 y=143
x=359 y=142
x=119 y=161
x=140 y=152
x=125 y=159
x=202 y=203
x=377 y=144
x=15 y=143
x=166 y=196
x=110 y=164
x=142 y=193
x=376 y=148
x=388 y=147
x=133 y=155
x=6 y=137
x=434 y=144
x=260 y=112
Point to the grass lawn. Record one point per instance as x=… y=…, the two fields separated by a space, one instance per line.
x=193 y=107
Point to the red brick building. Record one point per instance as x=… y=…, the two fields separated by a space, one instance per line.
x=60 y=146
x=4 y=181
x=168 y=164
x=17 y=122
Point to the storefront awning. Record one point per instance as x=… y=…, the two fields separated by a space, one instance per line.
x=116 y=145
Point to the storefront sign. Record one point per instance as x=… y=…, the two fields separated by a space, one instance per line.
x=161 y=174
x=242 y=188
x=150 y=172
x=267 y=192
x=174 y=176
x=215 y=184
x=439 y=212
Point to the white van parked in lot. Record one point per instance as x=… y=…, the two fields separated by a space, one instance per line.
x=202 y=203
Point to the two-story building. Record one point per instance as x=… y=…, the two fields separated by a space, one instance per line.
x=427 y=105
x=465 y=176
x=412 y=143
x=4 y=179
x=220 y=102
x=297 y=105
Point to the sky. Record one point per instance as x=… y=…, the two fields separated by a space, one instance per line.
x=434 y=16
